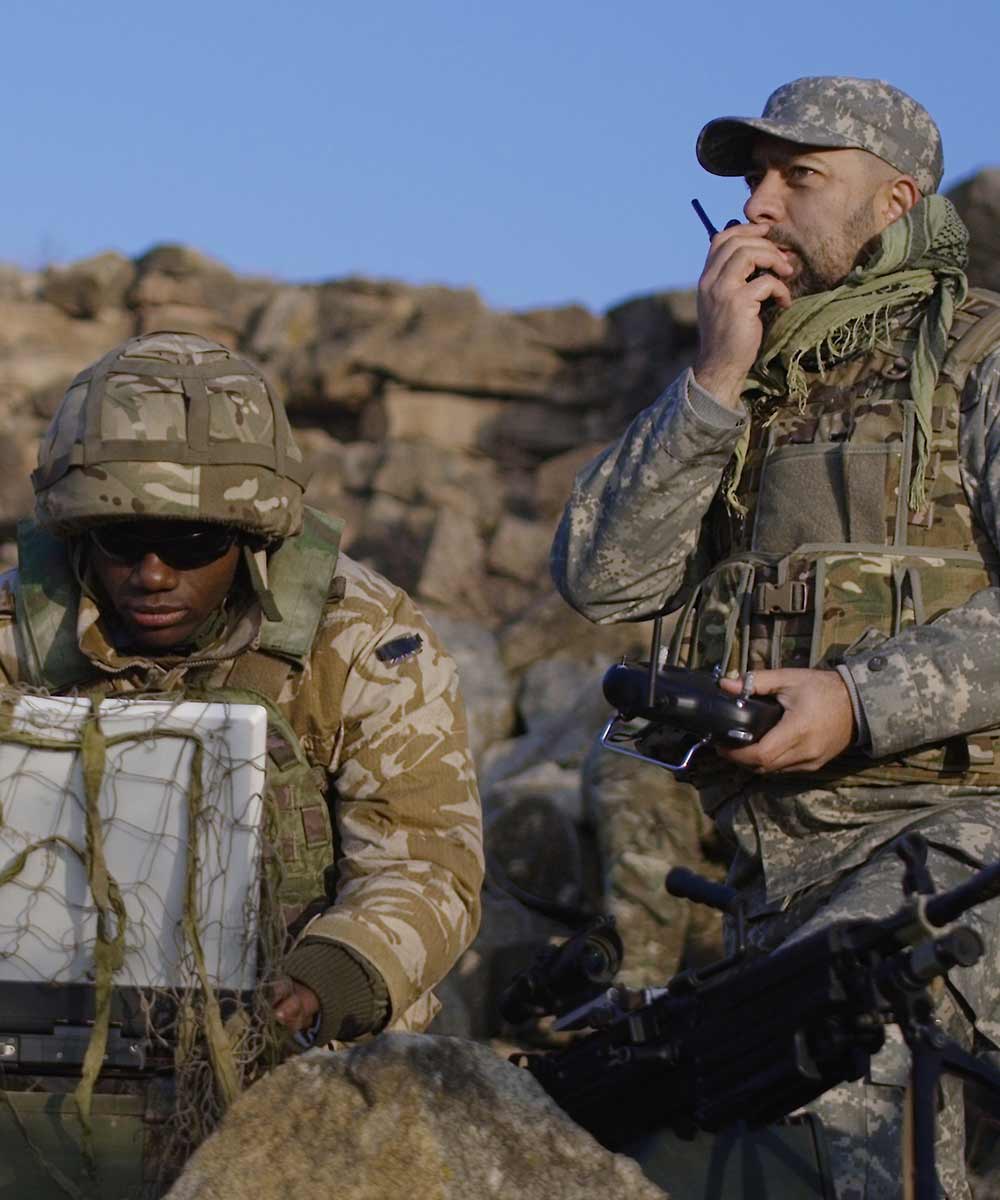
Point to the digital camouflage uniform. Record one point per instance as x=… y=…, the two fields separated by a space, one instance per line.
x=647 y=821
x=369 y=767
x=829 y=565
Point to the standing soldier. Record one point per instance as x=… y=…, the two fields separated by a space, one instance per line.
x=820 y=496
x=171 y=555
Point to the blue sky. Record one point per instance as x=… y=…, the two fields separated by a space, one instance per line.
x=541 y=152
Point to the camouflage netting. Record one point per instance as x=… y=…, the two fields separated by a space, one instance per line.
x=133 y=838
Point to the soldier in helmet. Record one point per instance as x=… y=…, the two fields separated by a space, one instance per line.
x=820 y=496
x=171 y=553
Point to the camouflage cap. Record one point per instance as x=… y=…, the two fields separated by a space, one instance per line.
x=170 y=425
x=835 y=112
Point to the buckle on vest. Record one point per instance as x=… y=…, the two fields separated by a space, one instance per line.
x=781 y=599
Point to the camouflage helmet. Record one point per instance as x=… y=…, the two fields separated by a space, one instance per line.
x=170 y=426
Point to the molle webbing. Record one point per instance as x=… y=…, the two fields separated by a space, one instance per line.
x=977 y=330
x=830 y=559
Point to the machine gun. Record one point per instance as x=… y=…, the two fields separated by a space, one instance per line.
x=752 y=1038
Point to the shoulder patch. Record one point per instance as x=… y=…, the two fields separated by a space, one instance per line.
x=407 y=645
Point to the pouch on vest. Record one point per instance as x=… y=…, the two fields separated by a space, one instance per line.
x=827 y=554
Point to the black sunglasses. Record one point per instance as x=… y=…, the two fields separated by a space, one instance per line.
x=181 y=545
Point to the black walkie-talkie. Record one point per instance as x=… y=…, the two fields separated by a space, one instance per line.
x=706 y=220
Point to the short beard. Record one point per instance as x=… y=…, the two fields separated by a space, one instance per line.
x=830 y=262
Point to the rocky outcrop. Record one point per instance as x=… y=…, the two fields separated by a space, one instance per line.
x=447 y=435
x=405 y=1117
x=978 y=202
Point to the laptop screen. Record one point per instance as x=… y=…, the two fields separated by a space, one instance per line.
x=178 y=790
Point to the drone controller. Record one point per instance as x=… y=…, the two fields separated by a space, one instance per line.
x=683 y=711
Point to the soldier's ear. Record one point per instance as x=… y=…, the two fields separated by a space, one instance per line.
x=897 y=197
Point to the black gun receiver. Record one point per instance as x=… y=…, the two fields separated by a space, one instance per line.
x=752 y=1038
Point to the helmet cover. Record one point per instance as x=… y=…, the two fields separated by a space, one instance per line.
x=170 y=426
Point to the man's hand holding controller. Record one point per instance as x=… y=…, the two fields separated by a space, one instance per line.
x=817 y=725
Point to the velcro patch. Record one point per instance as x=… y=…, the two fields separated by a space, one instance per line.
x=405 y=646
x=338 y=588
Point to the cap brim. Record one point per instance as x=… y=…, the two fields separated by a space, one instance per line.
x=725 y=145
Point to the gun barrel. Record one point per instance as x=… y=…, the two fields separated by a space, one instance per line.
x=984 y=885
x=687 y=885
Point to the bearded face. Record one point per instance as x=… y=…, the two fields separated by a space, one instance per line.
x=820 y=208
x=823 y=261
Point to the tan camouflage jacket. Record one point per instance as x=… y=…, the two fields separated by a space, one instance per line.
x=402 y=783
x=631 y=543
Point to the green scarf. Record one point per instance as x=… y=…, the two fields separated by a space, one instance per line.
x=921 y=256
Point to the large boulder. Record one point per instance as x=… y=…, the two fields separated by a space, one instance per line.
x=177 y=287
x=390 y=536
x=420 y=472
x=453 y=572
x=487 y=689
x=977 y=199
x=87 y=288
x=17 y=460
x=520 y=549
x=551 y=685
x=405 y=1117
x=443 y=418
x=17 y=284
x=42 y=349
x=549 y=626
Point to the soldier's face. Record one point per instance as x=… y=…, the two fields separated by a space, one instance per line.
x=821 y=205
x=156 y=600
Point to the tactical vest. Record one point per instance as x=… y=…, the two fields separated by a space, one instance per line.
x=298 y=833
x=823 y=556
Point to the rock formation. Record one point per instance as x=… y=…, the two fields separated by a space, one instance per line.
x=405 y=1117
x=447 y=435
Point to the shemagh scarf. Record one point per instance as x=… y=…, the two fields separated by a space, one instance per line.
x=921 y=256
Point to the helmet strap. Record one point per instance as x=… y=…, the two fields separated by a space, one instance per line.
x=256 y=565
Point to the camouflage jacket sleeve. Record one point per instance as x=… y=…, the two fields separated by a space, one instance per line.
x=937 y=680
x=631 y=532
x=404 y=799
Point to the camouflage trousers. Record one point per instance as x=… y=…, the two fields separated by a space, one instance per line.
x=646 y=821
x=864 y=1119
